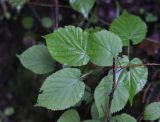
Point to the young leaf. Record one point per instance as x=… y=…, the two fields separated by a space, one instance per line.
x=69 y=116
x=135 y=78
x=37 y=59
x=102 y=93
x=129 y=27
x=152 y=111
x=82 y=6
x=123 y=118
x=68 y=46
x=103 y=46
x=61 y=90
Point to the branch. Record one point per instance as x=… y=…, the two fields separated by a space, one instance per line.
x=108 y=114
x=136 y=65
x=47 y=5
x=56 y=14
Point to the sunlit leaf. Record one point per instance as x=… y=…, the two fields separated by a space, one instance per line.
x=68 y=46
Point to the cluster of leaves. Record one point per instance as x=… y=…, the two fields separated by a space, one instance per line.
x=74 y=47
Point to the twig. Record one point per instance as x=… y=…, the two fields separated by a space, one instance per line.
x=47 y=5
x=56 y=14
x=86 y=74
x=137 y=65
x=108 y=114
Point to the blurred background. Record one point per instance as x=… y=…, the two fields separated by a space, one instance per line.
x=22 y=23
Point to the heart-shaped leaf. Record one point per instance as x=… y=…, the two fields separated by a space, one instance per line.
x=129 y=27
x=61 y=90
x=68 y=46
x=37 y=59
x=103 y=46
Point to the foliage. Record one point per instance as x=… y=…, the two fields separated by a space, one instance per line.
x=74 y=47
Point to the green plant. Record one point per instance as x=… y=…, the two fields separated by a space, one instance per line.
x=75 y=48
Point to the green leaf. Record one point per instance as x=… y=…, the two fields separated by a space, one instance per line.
x=103 y=46
x=129 y=27
x=82 y=6
x=135 y=78
x=37 y=59
x=47 y=22
x=91 y=121
x=123 y=118
x=68 y=46
x=69 y=116
x=152 y=111
x=94 y=111
x=27 y=22
x=61 y=90
x=102 y=93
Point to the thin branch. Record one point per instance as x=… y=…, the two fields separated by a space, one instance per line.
x=47 y=5
x=137 y=65
x=56 y=14
x=86 y=74
x=108 y=114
